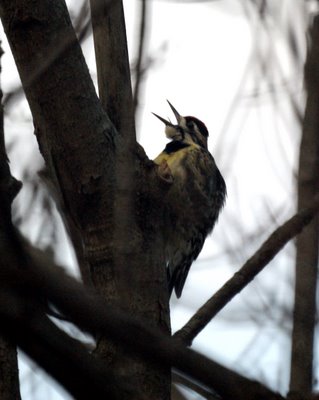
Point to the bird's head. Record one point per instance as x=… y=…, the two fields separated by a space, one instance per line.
x=188 y=129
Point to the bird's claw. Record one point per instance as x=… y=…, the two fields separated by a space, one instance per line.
x=164 y=172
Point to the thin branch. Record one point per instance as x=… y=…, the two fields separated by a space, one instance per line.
x=248 y=272
x=302 y=354
x=140 y=56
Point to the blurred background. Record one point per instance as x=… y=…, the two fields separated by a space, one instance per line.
x=237 y=65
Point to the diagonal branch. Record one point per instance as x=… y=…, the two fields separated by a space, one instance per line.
x=79 y=372
x=248 y=272
x=86 y=309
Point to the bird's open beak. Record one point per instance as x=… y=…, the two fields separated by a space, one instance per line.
x=176 y=113
x=166 y=122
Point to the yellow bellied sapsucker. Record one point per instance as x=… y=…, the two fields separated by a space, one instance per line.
x=195 y=199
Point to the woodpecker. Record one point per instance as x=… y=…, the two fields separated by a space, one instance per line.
x=196 y=196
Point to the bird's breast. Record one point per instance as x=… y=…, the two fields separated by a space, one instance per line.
x=176 y=161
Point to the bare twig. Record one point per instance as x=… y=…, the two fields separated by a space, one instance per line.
x=141 y=48
x=247 y=273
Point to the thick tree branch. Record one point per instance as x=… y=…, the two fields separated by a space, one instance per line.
x=115 y=92
x=72 y=125
x=112 y=64
x=82 y=28
x=90 y=313
x=79 y=372
x=249 y=270
x=75 y=135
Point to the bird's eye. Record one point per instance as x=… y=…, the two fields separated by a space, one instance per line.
x=190 y=124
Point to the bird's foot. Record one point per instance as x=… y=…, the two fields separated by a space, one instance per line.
x=164 y=172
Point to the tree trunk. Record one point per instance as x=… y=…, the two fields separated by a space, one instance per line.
x=116 y=205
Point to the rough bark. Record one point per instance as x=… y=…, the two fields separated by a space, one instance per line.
x=301 y=378
x=83 y=152
x=9 y=377
x=133 y=229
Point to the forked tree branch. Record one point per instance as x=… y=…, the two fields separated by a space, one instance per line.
x=248 y=272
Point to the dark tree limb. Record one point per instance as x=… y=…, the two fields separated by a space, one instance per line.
x=248 y=272
x=307 y=245
x=115 y=93
x=87 y=310
x=113 y=71
x=70 y=120
x=71 y=125
x=54 y=53
x=82 y=28
x=80 y=373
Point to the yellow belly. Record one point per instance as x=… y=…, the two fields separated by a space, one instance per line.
x=176 y=161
